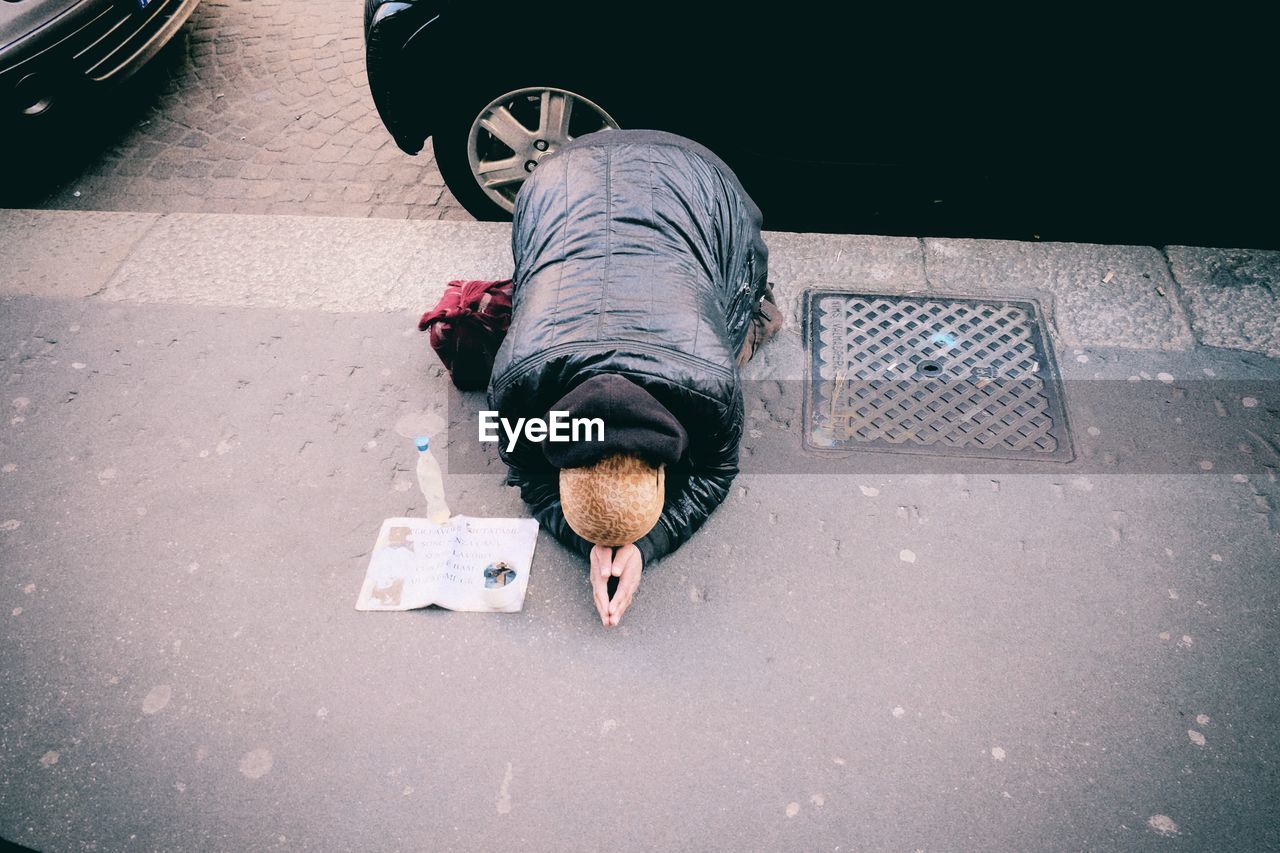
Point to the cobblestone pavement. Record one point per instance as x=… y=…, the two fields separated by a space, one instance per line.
x=260 y=106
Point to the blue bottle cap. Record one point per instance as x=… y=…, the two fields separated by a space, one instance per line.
x=423 y=443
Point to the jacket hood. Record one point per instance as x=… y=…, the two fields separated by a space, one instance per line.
x=635 y=423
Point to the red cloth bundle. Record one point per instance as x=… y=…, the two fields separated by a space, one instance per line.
x=467 y=327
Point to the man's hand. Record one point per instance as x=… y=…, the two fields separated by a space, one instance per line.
x=601 y=571
x=625 y=564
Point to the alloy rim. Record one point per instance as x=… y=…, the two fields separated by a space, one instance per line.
x=516 y=131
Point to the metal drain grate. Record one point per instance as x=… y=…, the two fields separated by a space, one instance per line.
x=941 y=375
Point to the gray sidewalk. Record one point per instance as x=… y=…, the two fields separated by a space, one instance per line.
x=207 y=417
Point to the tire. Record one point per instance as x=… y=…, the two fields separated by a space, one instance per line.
x=370 y=6
x=462 y=146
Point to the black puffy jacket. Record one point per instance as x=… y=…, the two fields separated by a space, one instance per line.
x=636 y=253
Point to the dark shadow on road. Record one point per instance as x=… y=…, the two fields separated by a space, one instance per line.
x=1210 y=203
x=42 y=158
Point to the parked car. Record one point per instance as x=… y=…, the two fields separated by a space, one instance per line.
x=958 y=119
x=56 y=53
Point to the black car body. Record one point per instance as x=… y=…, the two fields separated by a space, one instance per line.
x=910 y=119
x=55 y=53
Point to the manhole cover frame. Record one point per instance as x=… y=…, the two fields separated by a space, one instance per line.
x=1048 y=373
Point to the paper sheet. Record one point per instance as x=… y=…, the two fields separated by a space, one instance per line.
x=475 y=564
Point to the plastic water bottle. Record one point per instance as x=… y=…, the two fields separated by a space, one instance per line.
x=431 y=483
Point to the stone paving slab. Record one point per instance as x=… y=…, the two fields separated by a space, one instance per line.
x=307 y=262
x=898 y=660
x=1097 y=295
x=1233 y=296
x=64 y=253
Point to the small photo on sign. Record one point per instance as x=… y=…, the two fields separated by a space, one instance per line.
x=498 y=574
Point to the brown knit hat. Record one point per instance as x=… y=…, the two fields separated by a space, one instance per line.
x=614 y=502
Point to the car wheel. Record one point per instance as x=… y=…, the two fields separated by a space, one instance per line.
x=485 y=151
